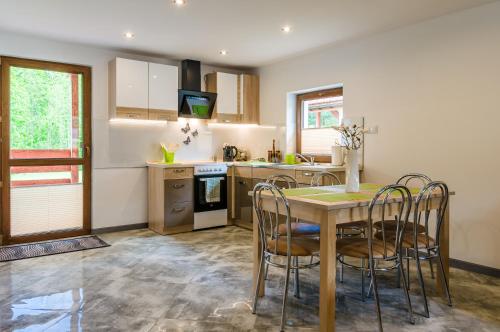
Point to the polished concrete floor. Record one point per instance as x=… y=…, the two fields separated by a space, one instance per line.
x=201 y=281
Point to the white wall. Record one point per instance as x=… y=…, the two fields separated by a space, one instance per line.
x=434 y=90
x=119 y=184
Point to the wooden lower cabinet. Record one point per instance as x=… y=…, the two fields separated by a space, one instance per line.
x=170 y=200
x=243 y=202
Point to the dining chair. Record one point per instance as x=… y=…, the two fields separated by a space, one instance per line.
x=276 y=246
x=416 y=180
x=356 y=228
x=380 y=254
x=299 y=228
x=422 y=246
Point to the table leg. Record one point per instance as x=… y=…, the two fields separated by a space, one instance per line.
x=256 y=255
x=445 y=251
x=328 y=238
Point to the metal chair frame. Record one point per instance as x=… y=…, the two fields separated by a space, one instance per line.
x=405 y=180
x=383 y=197
x=266 y=227
x=422 y=208
x=316 y=179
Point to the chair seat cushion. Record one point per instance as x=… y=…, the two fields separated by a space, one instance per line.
x=299 y=247
x=300 y=228
x=390 y=225
x=422 y=240
x=358 y=248
x=354 y=224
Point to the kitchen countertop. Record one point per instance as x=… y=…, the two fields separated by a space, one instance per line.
x=303 y=166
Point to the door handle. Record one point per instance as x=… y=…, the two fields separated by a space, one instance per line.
x=87 y=150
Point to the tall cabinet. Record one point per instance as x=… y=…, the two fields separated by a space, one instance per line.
x=237 y=97
x=142 y=90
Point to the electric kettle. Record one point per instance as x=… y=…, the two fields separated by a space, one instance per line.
x=229 y=152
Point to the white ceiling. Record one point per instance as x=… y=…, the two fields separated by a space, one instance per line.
x=248 y=29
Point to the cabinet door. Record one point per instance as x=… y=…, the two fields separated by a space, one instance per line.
x=243 y=202
x=131 y=83
x=163 y=87
x=249 y=98
x=227 y=93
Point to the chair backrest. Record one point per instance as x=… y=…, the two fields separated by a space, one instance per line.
x=380 y=203
x=420 y=179
x=268 y=222
x=282 y=181
x=330 y=179
x=434 y=196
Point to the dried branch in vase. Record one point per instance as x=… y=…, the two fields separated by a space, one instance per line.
x=352 y=136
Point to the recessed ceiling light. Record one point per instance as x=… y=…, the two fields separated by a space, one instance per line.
x=129 y=35
x=179 y=2
x=286 y=29
x=223 y=52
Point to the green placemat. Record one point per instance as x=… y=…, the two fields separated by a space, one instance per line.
x=340 y=197
x=373 y=187
x=303 y=191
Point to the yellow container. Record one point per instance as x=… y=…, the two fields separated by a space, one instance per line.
x=290 y=158
x=168 y=157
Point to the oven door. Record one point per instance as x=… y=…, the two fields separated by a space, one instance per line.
x=210 y=192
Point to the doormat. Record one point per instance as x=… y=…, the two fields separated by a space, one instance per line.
x=46 y=248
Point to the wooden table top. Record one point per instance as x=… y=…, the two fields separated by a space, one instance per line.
x=335 y=197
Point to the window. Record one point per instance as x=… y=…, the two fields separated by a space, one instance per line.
x=317 y=112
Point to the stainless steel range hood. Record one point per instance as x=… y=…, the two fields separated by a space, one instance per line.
x=193 y=103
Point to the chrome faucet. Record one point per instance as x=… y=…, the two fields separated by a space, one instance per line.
x=309 y=161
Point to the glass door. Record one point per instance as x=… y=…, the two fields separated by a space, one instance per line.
x=46 y=145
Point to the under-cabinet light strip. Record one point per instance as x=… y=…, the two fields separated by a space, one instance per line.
x=239 y=125
x=137 y=121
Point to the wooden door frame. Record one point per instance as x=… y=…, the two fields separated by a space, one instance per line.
x=334 y=92
x=6 y=163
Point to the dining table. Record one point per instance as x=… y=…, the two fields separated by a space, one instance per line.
x=329 y=206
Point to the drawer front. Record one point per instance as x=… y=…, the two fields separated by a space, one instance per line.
x=264 y=173
x=243 y=171
x=178 y=173
x=180 y=214
x=131 y=113
x=178 y=191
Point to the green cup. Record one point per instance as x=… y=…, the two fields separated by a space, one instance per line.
x=290 y=158
x=169 y=157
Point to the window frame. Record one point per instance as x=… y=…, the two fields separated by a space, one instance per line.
x=335 y=92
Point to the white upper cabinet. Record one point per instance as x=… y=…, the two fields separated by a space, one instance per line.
x=163 y=86
x=227 y=93
x=142 y=90
x=131 y=83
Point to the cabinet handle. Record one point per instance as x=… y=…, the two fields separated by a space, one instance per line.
x=242 y=182
x=179 y=170
x=308 y=174
x=179 y=209
x=178 y=186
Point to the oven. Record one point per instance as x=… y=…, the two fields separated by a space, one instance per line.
x=210 y=196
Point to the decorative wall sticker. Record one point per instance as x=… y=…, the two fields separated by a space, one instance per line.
x=186 y=128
